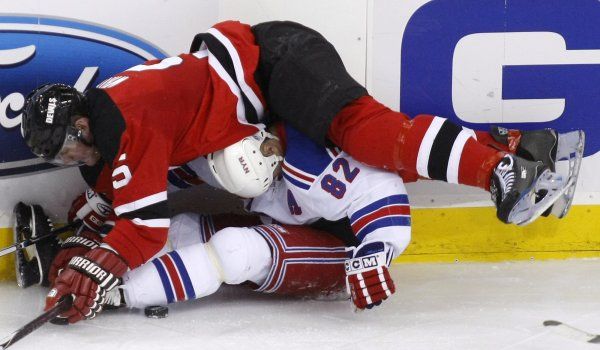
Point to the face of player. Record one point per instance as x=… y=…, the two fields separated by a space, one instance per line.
x=79 y=150
x=271 y=147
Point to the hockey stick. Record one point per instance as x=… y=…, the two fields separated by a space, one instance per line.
x=60 y=307
x=572 y=332
x=28 y=242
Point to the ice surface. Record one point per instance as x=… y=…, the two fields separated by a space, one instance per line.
x=436 y=306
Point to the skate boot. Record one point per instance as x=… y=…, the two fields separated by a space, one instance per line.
x=33 y=263
x=548 y=146
x=523 y=190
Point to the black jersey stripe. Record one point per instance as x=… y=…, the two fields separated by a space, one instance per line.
x=437 y=166
x=219 y=51
x=158 y=210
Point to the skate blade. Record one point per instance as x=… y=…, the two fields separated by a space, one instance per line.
x=21 y=220
x=24 y=216
x=570 y=147
x=527 y=209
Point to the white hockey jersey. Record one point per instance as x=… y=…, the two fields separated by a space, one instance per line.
x=326 y=183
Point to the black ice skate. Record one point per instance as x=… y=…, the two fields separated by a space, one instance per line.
x=523 y=190
x=548 y=146
x=33 y=263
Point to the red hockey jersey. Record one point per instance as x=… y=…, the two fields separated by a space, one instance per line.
x=165 y=113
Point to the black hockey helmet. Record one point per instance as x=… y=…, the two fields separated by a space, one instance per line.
x=48 y=117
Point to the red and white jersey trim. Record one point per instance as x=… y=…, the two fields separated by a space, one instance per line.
x=455 y=154
x=297 y=174
x=164 y=223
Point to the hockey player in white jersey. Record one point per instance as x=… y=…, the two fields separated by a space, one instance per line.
x=284 y=255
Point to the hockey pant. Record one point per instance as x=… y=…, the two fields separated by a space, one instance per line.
x=287 y=259
x=306 y=85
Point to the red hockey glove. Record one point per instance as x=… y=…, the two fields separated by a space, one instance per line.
x=367 y=276
x=77 y=245
x=88 y=278
x=92 y=209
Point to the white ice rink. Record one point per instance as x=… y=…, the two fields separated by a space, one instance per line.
x=436 y=306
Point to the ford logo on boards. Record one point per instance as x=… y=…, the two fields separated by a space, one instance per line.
x=36 y=50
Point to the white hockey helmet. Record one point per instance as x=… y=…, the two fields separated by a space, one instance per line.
x=242 y=169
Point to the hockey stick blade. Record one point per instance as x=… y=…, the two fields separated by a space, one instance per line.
x=28 y=242
x=572 y=332
x=62 y=306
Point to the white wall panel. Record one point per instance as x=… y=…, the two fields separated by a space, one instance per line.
x=342 y=22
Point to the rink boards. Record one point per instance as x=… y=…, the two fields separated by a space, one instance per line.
x=519 y=63
x=474 y=235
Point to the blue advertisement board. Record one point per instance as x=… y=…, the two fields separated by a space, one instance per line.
x=36 y=50
x=432 y=34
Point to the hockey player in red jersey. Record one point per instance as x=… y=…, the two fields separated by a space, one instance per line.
x=370 y=207
x=137 y=124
